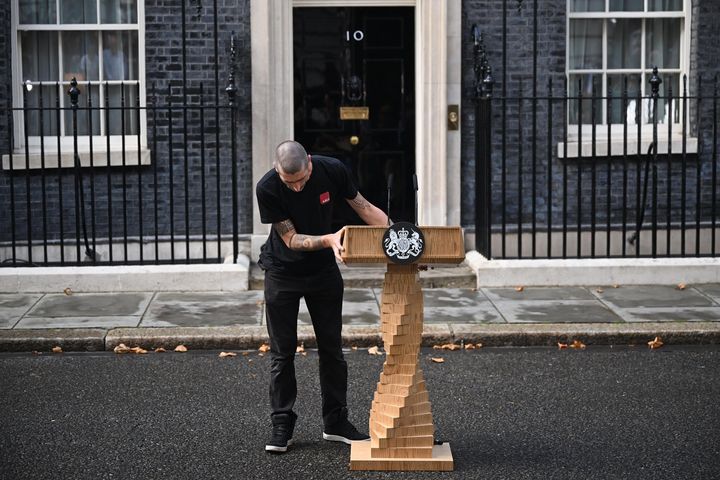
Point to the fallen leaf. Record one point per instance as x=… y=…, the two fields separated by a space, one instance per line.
x=138 y=350
x=562 y=346
x=374 y=350
x=469 y=346
x=437 y=359
x=122 y=348
x=264 y=347
x=261 y=354
x=181 y=348
x=68 y=291
x=300 y=348
x=681 y=286
x=519 y=289
x=437 y=347
x=616 y=285
x=599 y=290
x=227 y=354
x=656 y=343
x=245 y=354
x=353 y=348
x=160 y=350
x=479 y=345
x=577 y=344
x=57 y=350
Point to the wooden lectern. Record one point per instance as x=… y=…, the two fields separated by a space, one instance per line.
x=401 y=426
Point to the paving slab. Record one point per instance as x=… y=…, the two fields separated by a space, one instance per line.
x=211 y=309
x=459 y=305
x=538 y=293
x=672 y=314
x=91 y=304
x=13 y=306
x=544 y=311
x=106 y=322
x=711 y=290
x=638 y=296
x=360 y=307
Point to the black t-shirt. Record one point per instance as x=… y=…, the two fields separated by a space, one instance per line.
x=310 y=210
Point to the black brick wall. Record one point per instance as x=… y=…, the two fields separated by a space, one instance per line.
x=551 y=65
x=164 y=70
x=5 y=71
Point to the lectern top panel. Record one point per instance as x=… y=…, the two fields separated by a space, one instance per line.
x=364 y=244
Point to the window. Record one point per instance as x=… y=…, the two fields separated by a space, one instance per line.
x=100 y=43
x=611 y=42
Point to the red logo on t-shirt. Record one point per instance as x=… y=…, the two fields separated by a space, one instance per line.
x=324 y=198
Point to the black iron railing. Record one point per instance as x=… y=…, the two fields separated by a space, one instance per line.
x=544 y=188
x=163 y=189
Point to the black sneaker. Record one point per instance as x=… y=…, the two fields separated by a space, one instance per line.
x=343 y=431
x=281 y=438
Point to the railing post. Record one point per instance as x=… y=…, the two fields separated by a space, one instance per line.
x=74 y=93
x=484 y=83
x=655 y=82
x=231 y=91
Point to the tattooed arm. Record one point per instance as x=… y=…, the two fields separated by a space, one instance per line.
x=308 y=243
x=367 y=211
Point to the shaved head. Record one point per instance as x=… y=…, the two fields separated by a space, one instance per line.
x=291 y=157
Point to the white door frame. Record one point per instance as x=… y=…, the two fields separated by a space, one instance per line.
x=437 y=84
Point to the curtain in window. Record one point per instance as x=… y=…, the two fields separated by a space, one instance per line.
x=37 y=11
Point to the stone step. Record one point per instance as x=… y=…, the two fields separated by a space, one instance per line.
x=372 y=276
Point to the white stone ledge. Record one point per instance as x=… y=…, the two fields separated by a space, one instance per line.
x=136 y=278
x=33 y=160
x=593 y=272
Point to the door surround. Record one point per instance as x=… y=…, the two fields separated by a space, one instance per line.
x=437 y=84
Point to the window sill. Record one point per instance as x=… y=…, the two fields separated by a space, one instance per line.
x=32 y=160
x=617 y=148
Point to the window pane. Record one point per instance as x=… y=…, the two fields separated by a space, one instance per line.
x=585 y=44
x=127 y=115
x=80 y=56
x=587 y=5
x=39 y=56
x=627 y=5
x=48 y=115
x=624 y=43
x=118 y=11
x=120 y=55
x=83 y=126
x=590 y=82
x=662 y=42
x=616 y=85
x=665 y=5
x=37 y=11
x=78 y=11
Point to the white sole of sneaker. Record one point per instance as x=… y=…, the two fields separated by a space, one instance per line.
x=338 y=438
x=275 y=448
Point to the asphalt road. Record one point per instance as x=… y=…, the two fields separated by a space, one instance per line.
x=510 y=413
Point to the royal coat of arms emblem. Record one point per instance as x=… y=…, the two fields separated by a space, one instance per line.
x=403 y=242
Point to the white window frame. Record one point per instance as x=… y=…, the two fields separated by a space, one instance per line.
x=576 y=145
x=25 y=156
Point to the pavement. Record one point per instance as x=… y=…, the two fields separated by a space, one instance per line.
x=455 y=312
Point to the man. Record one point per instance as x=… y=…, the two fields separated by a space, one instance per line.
x=297 y=198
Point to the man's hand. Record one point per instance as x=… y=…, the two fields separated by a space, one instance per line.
x=334 y=241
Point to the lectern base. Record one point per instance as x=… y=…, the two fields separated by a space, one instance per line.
x=441 y=460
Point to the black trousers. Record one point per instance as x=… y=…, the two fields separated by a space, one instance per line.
x=323 y=294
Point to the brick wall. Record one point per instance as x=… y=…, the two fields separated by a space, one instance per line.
x=164 y=74
x=519 y=132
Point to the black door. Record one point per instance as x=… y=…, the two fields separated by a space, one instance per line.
x=350 y=63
